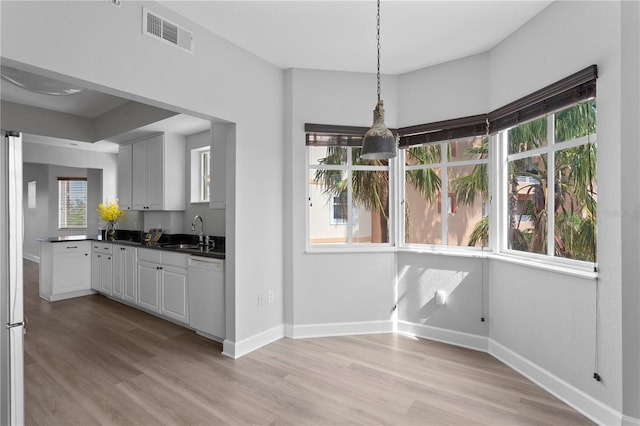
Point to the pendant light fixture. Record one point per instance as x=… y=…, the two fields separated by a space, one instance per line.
x=378 y=143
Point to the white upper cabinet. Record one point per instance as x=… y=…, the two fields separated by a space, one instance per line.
x=154 y=179
x=222 y=135
x=125 y=169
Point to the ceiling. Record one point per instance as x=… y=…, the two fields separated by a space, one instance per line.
x=341 y=35
x=329 y=35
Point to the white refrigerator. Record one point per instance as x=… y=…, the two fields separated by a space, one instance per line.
x=11 y=299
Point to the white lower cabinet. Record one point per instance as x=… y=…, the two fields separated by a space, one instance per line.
x=175 y=302
x=102 y=268
x=124 y=273
x=65 y=269
x=162 y=283
x=149 y=286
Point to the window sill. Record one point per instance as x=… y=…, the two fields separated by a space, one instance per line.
x=351 y=249
x=583 y=270
x=580 y=271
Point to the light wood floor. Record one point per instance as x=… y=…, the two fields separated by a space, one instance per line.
x=91 y=361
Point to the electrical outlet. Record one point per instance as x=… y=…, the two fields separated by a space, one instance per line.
x=260 y=299
x=270 y=296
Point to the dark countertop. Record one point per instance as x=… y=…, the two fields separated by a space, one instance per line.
x=200 y=251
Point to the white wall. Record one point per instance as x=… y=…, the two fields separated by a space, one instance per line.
x=219 y=80
x=548 y=318
x=339 y=292
x=36 y=220
x=421 y=275
x=451 y=90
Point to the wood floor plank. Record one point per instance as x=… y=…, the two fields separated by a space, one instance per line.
x=95 y=361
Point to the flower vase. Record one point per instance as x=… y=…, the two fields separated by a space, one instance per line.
x=111 y=230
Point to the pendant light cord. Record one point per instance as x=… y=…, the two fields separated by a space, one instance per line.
x=378 y=39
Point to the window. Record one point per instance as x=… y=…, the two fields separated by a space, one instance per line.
x=200 y=175
x=348 y=196
x=72 y=203
x=551 y=184
x=460 y=174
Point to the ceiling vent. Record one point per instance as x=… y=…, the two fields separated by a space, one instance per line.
x=156 y=26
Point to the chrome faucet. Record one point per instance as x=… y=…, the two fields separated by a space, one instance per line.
x=193 y=228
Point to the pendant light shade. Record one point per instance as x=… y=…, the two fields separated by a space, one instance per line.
x=378 y=143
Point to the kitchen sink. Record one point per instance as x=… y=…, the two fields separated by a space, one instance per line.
x=181 y=246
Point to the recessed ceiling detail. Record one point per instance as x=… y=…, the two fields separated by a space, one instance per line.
x=37 y=83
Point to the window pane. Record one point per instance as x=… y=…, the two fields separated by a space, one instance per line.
x=577 y=121
x=327 y=155
x=359 y=161
x=205 y=176
x=468 y=188
x=423 y=221
x=528 y=136
x=423 y=154
x=371 y=206
x=324 y=187
x=72 y=204
x=575 y=203
x=468 y=149
x=527 y=205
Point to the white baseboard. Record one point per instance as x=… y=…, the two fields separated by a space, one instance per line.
x=31 y=257
x=574 y=397
x=457 y=338
x=69 y=295
x=630 y=421
x=237 y=349
x=338 y=329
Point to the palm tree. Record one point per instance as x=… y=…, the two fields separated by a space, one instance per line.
x=475 y=184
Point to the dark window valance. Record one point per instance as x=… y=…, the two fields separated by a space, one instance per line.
x=563 y=93
x=330 y=135
x=443 y=130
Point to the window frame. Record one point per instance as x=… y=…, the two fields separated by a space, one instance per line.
x=347 y=169
x=500 y=211
x=444 y=207
x=197 y=182
x=63 y=224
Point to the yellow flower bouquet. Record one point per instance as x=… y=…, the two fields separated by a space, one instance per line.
x=110 y=213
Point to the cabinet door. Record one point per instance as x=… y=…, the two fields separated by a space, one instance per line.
x=106 y=274
x=129 y=276
x=149 y=286
x=125 y=170
x=139 y=176
x=70 y=270
x=95 y=271
x=155 y=173
x=175 y=300
x=118 y=275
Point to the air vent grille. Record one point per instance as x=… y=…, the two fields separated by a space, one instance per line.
x=157 y=27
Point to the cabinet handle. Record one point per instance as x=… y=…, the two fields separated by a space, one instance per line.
x=158 y=267
x=109 y=258
x=122 y=248
x=97 y=255
x=72 y=247
x=86 y=254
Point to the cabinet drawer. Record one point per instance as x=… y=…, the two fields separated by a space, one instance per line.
x=71 y=247
x=150 y=255
x=106 y=248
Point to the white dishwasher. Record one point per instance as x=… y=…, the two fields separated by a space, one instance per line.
x=206 y=296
